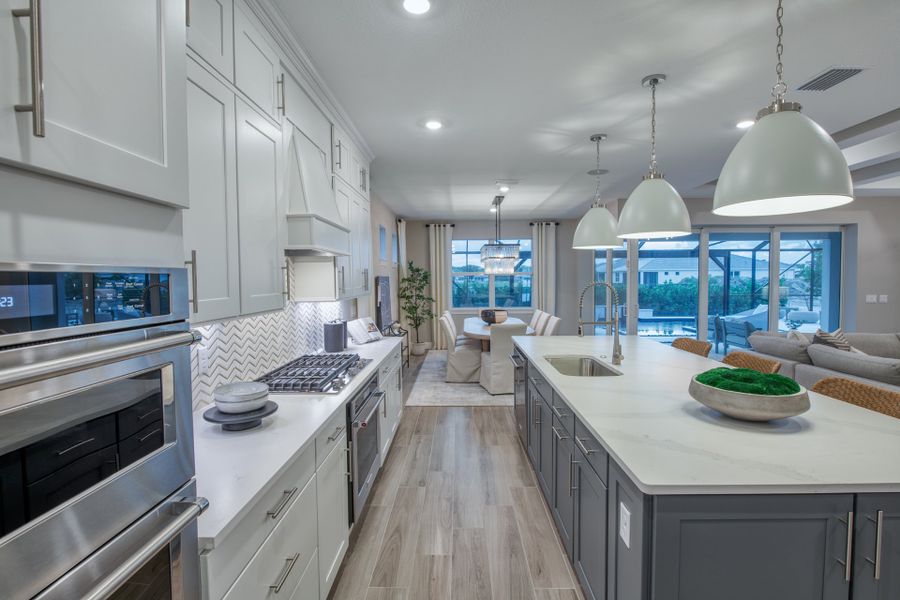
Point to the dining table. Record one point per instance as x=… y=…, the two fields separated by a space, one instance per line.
x=476 y=329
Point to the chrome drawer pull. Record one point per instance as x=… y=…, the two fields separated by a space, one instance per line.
x=847 y=563
x=285 y=498
x=78 y=445
x=36 y=108
x=285 y=572
x=195 y=300
x=559 y=414
x=572 y=486
x=879 y=532
x=337 y=433
x=587 y=451
x=558 y=435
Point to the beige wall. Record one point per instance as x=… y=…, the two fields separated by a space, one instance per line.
x=382 y=216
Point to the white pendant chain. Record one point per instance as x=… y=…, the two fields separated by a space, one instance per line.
x=780 y=87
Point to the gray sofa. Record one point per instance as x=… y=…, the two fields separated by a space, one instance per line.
x=808 y=363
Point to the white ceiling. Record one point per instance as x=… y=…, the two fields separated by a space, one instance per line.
x=523 y=83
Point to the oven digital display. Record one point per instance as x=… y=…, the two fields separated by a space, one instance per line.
x=17 y=301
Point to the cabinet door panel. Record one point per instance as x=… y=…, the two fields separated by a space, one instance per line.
x=563 y=504
x=628 y=557
x=751 y=547
x=333 y=513
x=589 y=553
x=259 y=215
x=867 y=550
x=211 y=224
x=256 y=66
x=114 y=95
x=211 y=33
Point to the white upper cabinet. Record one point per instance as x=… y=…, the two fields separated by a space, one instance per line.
x=359 y=175
x=305 y=115
x=211 y=223
x=341 y=154
x=113 y=103
x=261 y=217
x=360 y=246
x=256 y=64
x=211 y=33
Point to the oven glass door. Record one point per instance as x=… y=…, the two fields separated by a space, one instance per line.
x=367 y=458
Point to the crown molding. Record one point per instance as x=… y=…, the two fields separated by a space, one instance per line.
x=275 y=24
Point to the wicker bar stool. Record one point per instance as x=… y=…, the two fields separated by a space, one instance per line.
x=743 y=360
x=860 y=394
x=693 y=346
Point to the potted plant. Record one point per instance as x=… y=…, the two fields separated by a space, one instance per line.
x=415 y=303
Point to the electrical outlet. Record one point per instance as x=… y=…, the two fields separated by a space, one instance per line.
x=883 y=299
x=871 y=298
x=625 y=524
x=203 y=359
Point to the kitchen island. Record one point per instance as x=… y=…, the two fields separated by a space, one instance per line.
x=655 y=495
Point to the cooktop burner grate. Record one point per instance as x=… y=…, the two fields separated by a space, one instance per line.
x=315 y=373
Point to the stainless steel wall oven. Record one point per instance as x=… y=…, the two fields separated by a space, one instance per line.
x=365 y=447
x=96 y=448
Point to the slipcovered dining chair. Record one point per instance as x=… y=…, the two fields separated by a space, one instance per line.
x=861 y=394
x=541 y=323
x=496 y=368
x=463 y=355
x=693 y=346
x=552 y=325
x=534 y=318
x=742 y=360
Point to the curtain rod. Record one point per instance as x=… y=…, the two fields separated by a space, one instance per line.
x=533 y=223
x=430 y=224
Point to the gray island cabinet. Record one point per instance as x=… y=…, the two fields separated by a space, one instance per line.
x=646 y=513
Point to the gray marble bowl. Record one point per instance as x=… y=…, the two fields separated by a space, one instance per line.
x=750 y=407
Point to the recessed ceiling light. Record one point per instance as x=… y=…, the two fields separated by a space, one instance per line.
x=504 y=188
x=433 y=124
x=417 y=7
x=745 y=124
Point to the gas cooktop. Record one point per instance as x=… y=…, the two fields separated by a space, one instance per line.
x=315 y=373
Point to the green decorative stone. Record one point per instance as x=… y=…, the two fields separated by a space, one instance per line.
x=748 y=381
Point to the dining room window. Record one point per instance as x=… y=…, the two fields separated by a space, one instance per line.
x=473 y=288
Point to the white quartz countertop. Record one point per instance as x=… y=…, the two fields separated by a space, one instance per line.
x=234 y=468
x=668 y=443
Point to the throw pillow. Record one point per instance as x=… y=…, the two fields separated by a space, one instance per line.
x=835 y=339
x=796 y=336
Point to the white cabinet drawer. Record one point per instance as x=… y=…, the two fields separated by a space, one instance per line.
x=281 y=560
x=390 y=363
x=331 y=435
x=308 y=588
x=223 y=564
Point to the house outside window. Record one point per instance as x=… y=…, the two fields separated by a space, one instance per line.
x=473 y=288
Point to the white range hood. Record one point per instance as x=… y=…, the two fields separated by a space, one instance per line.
x=315 y=225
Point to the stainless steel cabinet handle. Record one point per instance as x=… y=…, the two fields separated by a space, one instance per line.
x=349 y=450
x=537 y=412
x=572 y=486
x=516 y=361
x=285 y=498
x=340 y=160
x=587 y=451
x=74 y=446
x=195 y=299
x=36 y=108
x=287 y=279
x=187 y=13
x=192 y=507
x=285 y=572
x=337 y=433
x=847 y=563
x=879 y=532
x=559 y=414
x=280 y=85
x=558 y=435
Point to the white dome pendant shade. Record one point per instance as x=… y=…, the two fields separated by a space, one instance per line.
x=786 y=163
x=654 y=209
x=596 y=230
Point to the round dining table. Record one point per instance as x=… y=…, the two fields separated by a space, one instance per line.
x=476 y=329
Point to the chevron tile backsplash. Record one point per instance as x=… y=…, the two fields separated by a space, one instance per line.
x=245 y=348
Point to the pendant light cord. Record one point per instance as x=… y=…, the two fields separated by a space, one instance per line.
x=653 y=170
x=780 y=87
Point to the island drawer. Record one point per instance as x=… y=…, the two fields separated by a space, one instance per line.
x=540 y=384
x=563 y=413
x=330 y=434
x=222 y=565
x=592 y=450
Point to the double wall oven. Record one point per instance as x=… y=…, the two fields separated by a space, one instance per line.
x=97 y=490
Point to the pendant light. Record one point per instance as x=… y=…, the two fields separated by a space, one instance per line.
x=654 y=209
x=499 y=258
x=597 y=228
x=785 y=163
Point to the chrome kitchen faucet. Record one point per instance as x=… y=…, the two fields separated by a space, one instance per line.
x=617 y=347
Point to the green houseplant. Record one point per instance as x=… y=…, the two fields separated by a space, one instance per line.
x=416 y=303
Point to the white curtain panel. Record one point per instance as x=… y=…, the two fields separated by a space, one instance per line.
x=543 y=260
x=440 y=238
x=402 y=269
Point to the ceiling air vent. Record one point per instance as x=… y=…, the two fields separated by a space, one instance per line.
x=830 y=78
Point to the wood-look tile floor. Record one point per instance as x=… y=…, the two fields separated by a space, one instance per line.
x=456 y=514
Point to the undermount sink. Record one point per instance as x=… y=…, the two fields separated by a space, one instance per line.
x=580 y=366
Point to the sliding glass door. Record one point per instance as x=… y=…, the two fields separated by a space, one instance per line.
x=668 y=276
x=809 y=281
